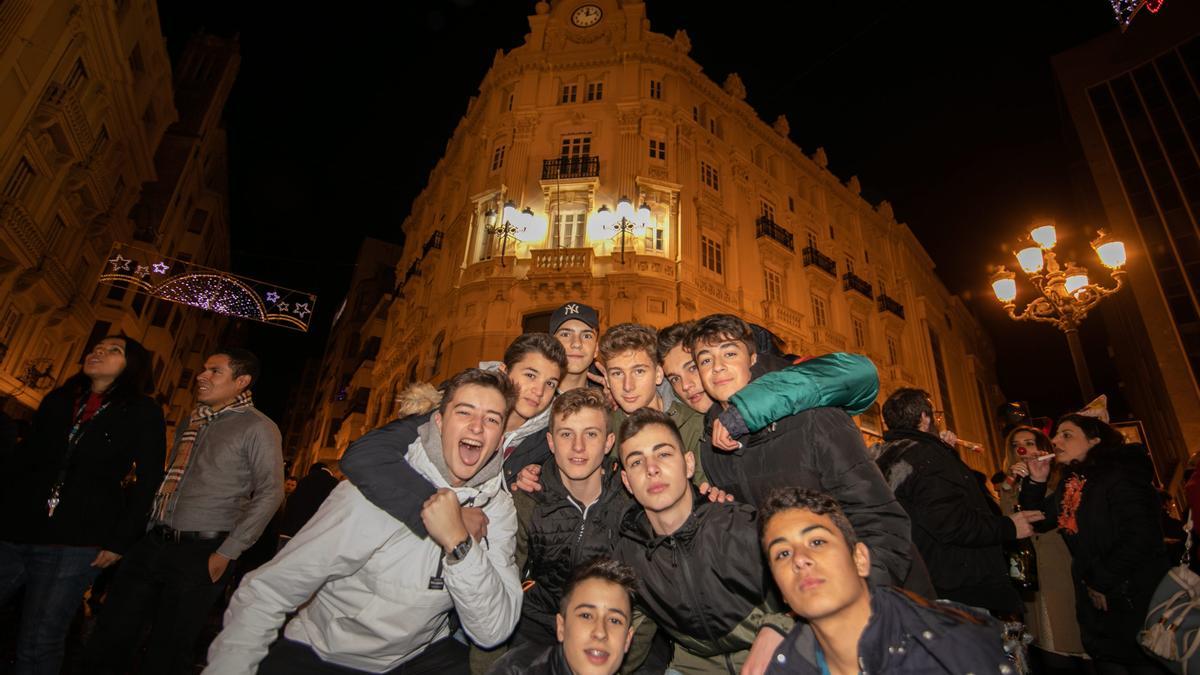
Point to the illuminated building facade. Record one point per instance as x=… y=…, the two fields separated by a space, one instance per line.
x=103 y=149
x=593 y=107
x=85 y=98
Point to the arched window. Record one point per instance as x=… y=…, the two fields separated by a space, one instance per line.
x=438 y=342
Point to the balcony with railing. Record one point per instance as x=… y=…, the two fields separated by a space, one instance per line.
x=765 y=227
x=889 y=304
x=551 y=261
x=563 y=168
x=823 y=262
x=853 y=282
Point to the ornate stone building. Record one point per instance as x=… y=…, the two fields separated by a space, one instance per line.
x=593 y=107
x=91 y=152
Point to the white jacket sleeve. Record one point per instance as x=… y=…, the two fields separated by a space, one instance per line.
x=336 y=542
x=486 y=585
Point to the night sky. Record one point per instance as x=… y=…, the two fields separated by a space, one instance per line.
x=950 y=113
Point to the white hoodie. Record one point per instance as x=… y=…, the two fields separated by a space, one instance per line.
x=366 y=580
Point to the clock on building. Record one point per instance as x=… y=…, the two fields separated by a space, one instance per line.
x=586 y=16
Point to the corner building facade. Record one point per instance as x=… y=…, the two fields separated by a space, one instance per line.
x=593 y=107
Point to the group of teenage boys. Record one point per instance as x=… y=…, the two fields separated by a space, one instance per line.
x=602 y=502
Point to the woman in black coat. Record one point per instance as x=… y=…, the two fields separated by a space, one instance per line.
x=79 y=492
x=1107 y=510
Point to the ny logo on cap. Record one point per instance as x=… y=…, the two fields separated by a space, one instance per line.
x=571 y=309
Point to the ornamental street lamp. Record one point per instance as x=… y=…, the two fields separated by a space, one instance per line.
x=1066 y=293
x=625 y=220
x=513 y=222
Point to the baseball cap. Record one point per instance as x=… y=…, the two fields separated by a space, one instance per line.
x=574 y=310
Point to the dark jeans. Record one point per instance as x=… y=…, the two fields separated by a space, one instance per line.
x=54 y=578
x=287 y=657
x=166 y=584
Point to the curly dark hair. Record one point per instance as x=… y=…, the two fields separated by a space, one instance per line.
x=819 y=503
x=602 y=568
x=719 y=328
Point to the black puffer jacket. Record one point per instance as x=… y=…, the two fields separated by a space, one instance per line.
x=706 y=584
x=959 y=534
x=557 y=534
x=96 y=508
x=818 y=449
x=532 y=659
x=908 y=634
x=1116 y=544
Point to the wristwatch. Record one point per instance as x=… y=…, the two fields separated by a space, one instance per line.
x=459 y=552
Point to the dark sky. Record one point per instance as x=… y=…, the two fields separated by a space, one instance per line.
x=950 y=113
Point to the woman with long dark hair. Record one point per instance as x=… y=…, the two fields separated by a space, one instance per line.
x=80 y=490
x=1107 y=511
x=1050 y=608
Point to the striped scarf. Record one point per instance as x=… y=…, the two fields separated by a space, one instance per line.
x=201 y=416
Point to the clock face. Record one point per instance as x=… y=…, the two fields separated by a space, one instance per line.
x=586 y=16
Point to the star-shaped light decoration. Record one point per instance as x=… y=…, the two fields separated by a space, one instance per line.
x=142 y=271
x=272 y=296
x=302 y=309
x=160 y=267
x=120 y=263
x=283 y=307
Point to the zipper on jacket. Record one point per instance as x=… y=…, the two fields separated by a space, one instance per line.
x=687 y=582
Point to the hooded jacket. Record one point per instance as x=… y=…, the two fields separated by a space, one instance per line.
x=908 y=634
x=959 y=535
x=372 y=593
x=705 y=584
x=375 y=464
x=819 y=449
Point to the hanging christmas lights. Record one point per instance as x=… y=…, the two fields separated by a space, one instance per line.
x=206 y=288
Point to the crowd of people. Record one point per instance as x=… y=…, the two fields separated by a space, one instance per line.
x=683 y=500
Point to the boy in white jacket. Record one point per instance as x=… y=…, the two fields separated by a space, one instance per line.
x=372 y=595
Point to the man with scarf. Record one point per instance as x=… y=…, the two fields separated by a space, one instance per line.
x=223 y=484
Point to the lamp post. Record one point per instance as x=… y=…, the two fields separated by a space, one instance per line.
x=1066 y=293
x=625 y=220
x=512 y=222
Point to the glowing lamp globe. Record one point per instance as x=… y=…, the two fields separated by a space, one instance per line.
x=625 y=208
x=1004 y=285
x=510 y=214
x=1110 y=250
x=1077 y=278
x=1044 y=236
x=643 y=213
x=1031 y=259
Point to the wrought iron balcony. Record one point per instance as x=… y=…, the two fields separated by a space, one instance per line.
x=560 y=168
x=434 y=241
x=768 y=228
x=814 y=257
x=888 y=304
x=853 y=282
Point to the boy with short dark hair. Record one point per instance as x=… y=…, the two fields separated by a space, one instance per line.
x=594 y=626
x=694 y=577
x=851 y=625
